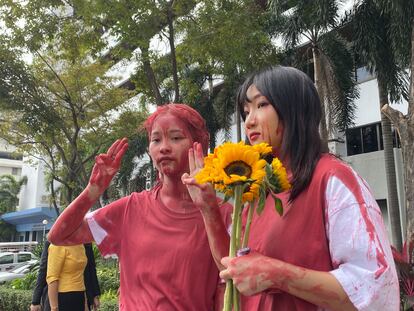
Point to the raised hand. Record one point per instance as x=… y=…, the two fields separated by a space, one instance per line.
x=106 y=166
x=204 y=195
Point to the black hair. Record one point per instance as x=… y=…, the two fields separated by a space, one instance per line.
x=294 y=97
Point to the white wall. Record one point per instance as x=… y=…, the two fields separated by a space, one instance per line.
x=35 y=193
x=368 y=109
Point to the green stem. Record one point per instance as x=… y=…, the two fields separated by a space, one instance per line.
x=228 y=295
x=248 y=223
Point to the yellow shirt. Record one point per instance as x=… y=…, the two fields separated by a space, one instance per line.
x=66 y=264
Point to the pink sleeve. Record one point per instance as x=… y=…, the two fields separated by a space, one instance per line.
x=106 y=225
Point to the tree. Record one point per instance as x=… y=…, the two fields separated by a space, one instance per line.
x=402 y=32
x=9 y=199
x=58 y=109
x=373 y=43
x=317 y=22
x=213 y=60
x=9 y=192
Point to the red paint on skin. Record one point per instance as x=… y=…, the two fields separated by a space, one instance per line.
x=170 y=141
x=348 y=180
x=327 y=294
x=71 y=228
x=262 y=273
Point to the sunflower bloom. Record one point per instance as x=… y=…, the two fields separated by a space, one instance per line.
x=233 y=164
x=279 y=171
x=241 y=171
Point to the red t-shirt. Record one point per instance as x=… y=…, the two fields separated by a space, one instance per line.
x=165 y=259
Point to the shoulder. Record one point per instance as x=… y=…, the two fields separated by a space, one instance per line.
x=57 y=250
x=329 y=166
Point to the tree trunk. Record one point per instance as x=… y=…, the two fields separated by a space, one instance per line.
x=151 y=76
x=317 y=76
x=54 y=198
x=392 y=193
x=173 y=57
x=405 y=127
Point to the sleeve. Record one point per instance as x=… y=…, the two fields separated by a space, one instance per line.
x=55 y=262
x=106 y=226
x=91 y=278
x=41 y=276
x=360 y=250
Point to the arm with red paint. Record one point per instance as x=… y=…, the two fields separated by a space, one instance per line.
x=71 y=228
x=254 y=273
x=204 y=197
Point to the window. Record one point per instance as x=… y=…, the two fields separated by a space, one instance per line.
x=6 y=259
x=367 y=138
x=354 y=141
x=370 y=138
x=23 y=257
x=26 y=236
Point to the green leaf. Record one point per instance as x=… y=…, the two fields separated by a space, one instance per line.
x=262 y=200
x=278 y=205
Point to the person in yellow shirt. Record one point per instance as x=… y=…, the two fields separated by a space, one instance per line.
x=65 y=268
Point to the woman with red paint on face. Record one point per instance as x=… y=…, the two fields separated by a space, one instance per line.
x=329 y=250
x=157 y=235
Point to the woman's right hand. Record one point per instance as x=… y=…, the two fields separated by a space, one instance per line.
x=106 y=166
x=203 y=196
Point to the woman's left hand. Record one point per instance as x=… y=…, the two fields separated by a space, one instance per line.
x=251 y=274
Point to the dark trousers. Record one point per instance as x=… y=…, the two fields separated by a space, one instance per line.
x=71 y=301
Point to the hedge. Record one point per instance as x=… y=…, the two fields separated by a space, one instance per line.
x=14 y=300
x=19 y=300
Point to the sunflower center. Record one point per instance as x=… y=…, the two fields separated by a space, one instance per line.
x=238 y=168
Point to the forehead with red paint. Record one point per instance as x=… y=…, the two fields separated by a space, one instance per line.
x=167 y=124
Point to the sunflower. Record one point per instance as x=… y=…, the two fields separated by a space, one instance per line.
x=233 y=164
x=263 y=149
x=279 y=171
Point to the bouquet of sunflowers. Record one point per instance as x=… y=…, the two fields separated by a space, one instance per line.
x=246 y=174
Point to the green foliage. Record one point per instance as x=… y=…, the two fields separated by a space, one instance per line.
x=28 y=282
x=9 y=191
x=109 y=295
x=109 y=305
x=318 y=22
x=108 y=278
x=6 y=231
x=375 y=45
x=16 y=300
x=60 y=107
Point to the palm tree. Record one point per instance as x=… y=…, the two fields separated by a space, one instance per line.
x=317 y=22
x=9 y=191
x=402 y=34
x=374 y=47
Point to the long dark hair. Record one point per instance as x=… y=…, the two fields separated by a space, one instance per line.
x=293 y=94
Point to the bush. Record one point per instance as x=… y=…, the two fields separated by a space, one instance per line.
x=28 y=282
x=15 y=300
x=108 y=305
x=108 y=278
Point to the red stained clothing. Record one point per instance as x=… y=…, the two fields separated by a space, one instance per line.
x=165 y=259
x=334 y=225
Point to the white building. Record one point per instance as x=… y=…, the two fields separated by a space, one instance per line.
x=34 y=215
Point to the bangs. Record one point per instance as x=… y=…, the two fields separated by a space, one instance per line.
x=241 y=98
